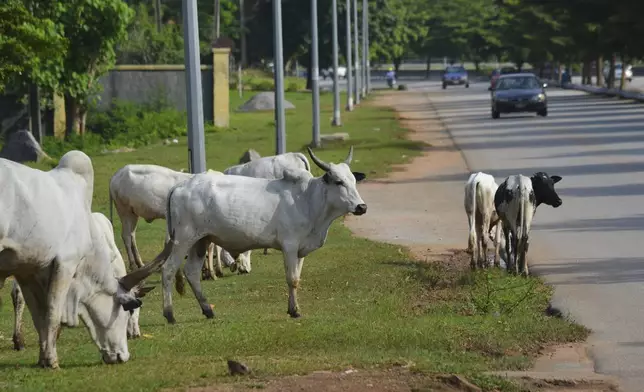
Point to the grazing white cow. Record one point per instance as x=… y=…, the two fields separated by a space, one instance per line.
x=516 y=200
x=271 y=167
x=118 y=268
x=48 y=239
x=291 y=214
x=481 y=217
x=142 y=191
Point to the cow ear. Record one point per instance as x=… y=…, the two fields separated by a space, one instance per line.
x=555 y=179
x=359 y=176
x=140 y=293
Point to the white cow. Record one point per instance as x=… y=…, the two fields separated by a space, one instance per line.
x=516 y=200
x=271 y=167
x=48 y=240
x=481 y=217
x=142 y=191
x=118 y=267
x=291 y=214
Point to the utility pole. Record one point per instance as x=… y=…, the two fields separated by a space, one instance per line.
x=196 y=144
x=315 y=74
x=349 y=66
x=356 y=49
x=157 y=14
x=366 y=34
x=278 y=67
x=364 y=49
x=336 y=88
x=242 y=23
x=217 y=18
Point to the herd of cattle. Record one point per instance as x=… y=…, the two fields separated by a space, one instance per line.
x=66 y=265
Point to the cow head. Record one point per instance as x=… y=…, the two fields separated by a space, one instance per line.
x=340 y=183
x=108 y=311
x=544 y=189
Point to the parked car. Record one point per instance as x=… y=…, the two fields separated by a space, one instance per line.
x=498 y=72
x=328 y=73
x=519 y=92
x=618 y=72
x=455 y=75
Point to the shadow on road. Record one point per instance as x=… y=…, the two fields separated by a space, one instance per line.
x=594 y=271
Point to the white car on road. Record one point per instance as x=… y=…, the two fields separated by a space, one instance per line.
x=618 y=72
x=328 y=73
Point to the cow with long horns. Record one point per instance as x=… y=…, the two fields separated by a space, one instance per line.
x=292 y=214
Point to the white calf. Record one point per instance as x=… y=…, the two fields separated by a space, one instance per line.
x=482 y=217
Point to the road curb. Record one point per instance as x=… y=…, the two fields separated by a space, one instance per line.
x=564 y=365
x=601 y=91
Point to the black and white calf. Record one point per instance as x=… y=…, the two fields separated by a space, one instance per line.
x=516 y=200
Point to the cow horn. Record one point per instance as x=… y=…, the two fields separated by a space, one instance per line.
x=132 y=279
x=349 y=157
x=321 y=164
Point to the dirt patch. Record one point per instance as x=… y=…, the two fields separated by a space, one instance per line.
x=407 y=207
x=355 y=381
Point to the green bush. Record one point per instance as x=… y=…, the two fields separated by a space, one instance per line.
x=258 y=80
x=132 y=125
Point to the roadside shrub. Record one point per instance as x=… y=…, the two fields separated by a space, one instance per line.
x=293 y=87
x=131 y=125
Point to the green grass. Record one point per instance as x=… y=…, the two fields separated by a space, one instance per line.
x=363 y=303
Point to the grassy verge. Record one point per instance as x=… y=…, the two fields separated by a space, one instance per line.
x=364 y=303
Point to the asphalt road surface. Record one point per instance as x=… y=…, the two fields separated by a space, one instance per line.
x=636 y=83
x=589 y=248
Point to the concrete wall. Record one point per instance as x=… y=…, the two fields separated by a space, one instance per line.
x=145 y=83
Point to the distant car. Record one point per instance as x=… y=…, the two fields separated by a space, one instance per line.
x=618 y=72
x=519 y=92
x=455 y=75
x=498 y=72
x=328 y=73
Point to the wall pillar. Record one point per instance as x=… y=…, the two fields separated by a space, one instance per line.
x=221 y=87
x=59 y=116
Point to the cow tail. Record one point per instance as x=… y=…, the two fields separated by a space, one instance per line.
x=179 y=280
x=472 y=218
x=111 y=208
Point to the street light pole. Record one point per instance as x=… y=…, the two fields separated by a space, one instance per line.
x=336 y=88
x=196 y=143
x=278 y=67
x=356 y=49
x=315 y=74
x=366 y=34
x=364 y=49
x=349 y=65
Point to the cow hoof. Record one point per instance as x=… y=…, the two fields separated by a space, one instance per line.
x=48 y=364
x=242 y=272
x=18 y=343
x=219 y=274
x=208 y=313
x=294 y=314
x=170 y=317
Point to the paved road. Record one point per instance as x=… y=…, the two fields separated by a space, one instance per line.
x=636 y=83
x=589 y=247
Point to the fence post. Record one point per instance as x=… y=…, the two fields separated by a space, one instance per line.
x=221 y=87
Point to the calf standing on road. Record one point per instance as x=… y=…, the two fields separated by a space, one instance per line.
x=481 y=217
x=516 y=200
